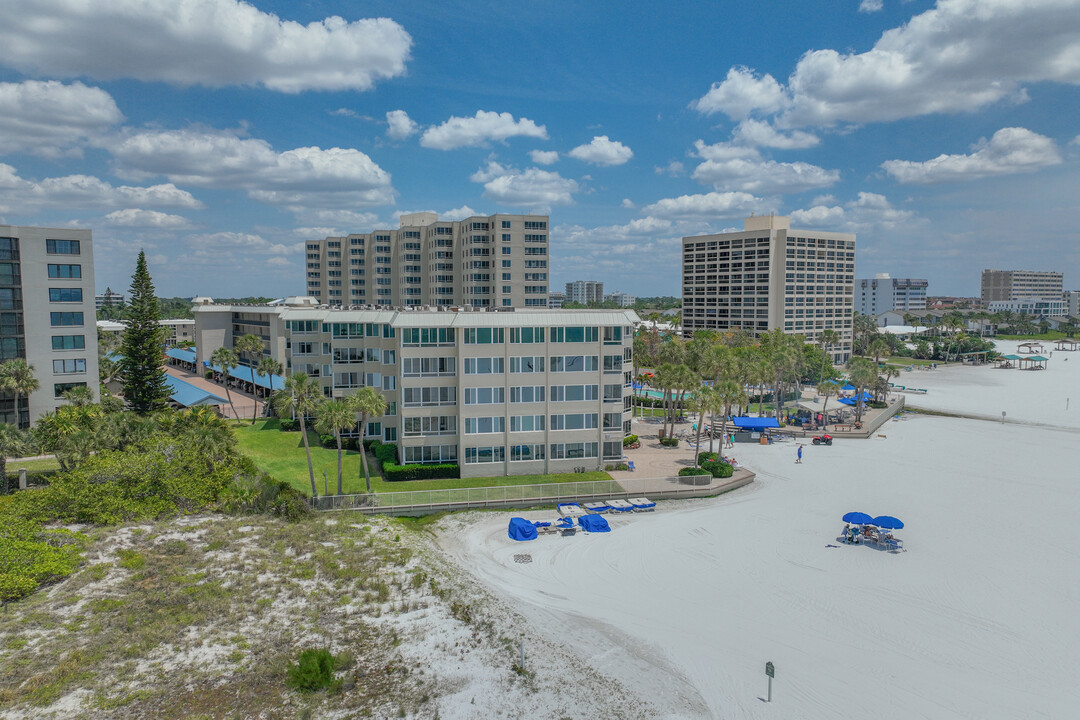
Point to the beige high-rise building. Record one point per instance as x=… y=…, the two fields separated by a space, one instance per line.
x=770 y=276
x=47 y=314
x=1021 y=285
x=494 y=261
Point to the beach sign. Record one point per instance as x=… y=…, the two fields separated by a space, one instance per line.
x=771 y=672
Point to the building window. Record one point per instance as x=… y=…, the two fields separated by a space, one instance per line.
x=62 y=247
x=526 y=423
x=65 y=294
x=484 y=336
x=60 y=388
x=561 y=451
x=484 y=455
x=480 y=425
x=527 y=393
x=68 y=342
x=574 y=393
x=523 y=453
x=69 y=367
x=65 y=271
x=431 y=454
x=527 y=364
x=65 y=319
x=485 y=395
x=484 y=366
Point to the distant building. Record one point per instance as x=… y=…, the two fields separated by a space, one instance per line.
x=585 y=292
x=178 y=330
x=770 y=276
x=1020 y=284
x=950 y=302
x=47 y=318
x=621 y=299
x=556 y=299
x=1071 y=298
x=484 y=261
x=1040 y=307
x=109 y=298
x=882 y=293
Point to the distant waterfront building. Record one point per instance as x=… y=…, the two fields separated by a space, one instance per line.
x=501 y=393
x=621 y=299
x=1040 y=307
x=484 y=261
x=882 y=293
x=1071 y=299
x=585 y=291
x=109 y=298
x=556 y=299
x=47 y=314
x=770 y=276
x=177 y=330
x=1020 y=284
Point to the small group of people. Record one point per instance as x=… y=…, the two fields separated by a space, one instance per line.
x=854 y=534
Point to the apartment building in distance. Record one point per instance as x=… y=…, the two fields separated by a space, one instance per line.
x=109 y=298
x=882 y=293
x=771 y=276
x=1021 y=285
x=490 y=261
x=499 y=392
x=621 y=299
x=47 y=314
x=585 y=292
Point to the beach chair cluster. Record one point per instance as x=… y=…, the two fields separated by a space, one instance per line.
x=611 y=506
x=577 y=516
x=860 y=528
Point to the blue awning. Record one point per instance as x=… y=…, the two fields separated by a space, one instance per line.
x=753 y=423
x=188 y=395
x=243 y=372
x=181 y=354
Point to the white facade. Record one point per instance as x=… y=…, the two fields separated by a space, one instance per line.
x=491 y=261
x=1071 y=299
x=500 y=393
x=109 y=297
x=556 y=299
x=882 y=293
x=621 y=299
x=1020 y=285
x=770 y=276
x=1029 y=306
x=47 y=314
x=585 y=292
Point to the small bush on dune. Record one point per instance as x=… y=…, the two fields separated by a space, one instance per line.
x=313 y=671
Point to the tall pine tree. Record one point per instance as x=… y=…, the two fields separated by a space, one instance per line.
x=142 y=346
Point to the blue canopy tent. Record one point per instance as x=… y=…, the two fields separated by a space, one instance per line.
x=521 y=529
x=594 y=524
x=755 y=423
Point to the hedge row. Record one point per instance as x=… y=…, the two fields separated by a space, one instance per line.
x=629 y=440
x=718 y=469
x=693 y=471
x=398 y=473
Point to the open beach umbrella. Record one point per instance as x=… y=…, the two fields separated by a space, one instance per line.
x=858 y=518
x=848 y=388
x=846 y=401
x=888 y=522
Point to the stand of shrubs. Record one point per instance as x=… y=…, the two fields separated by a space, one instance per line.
x=392 y=472
x=669 y=441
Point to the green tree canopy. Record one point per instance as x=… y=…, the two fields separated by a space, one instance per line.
x=143 y=377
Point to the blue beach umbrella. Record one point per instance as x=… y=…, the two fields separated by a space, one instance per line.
x=858 y=518
x=887 y=522
x=848 y=388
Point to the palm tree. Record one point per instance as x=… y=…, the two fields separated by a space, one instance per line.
x=225 y=359
x=877 y=348
x=703 y=402
x=368 y=403
x=863 y=374
x=728 y=393
x=300 y=397
x=17 y=377
x=13 y=443
x=250 y=345
x=825 y=339
x=826 y=388
x=269 y=367
x=79 y=396
x=331 y=417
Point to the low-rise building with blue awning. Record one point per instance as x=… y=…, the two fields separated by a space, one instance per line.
x=184 y=394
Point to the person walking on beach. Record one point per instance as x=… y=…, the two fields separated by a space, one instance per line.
x=798 y=456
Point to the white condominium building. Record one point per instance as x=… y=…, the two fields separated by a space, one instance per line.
x=500 y=393
x=621 y=299
x=1020 y=284
x=770 y=276
x=47 y=314
x=585 y=291
x=882 y=293
x=494 y=261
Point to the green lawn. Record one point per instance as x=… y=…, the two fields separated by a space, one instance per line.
x=902 y=361
x=38 y=472
x=281 y=454
x=1049 y=336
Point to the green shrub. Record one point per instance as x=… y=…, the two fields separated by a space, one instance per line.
x=328 y=441
x=289 y=425
x=386 y=453
x=313 y=671
x=707 y=457
x=669 y=442
x=257 y=492
x=372 y=443
x=629 y=440
x=397 y=473
x=718 y=469
x=878 y=405
x=693 y=471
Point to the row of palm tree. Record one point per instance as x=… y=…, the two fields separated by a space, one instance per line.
x=228 y=359
x=302 y=398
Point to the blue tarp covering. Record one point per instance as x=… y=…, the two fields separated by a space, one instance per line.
x=243 y=372
x=594 y=523
x=181 y=354
x=521 y=529
x=753 y=423
x=186 y=394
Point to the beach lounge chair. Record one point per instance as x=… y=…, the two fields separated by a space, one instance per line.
x=630 y=465
x=621 y=506
x=571 y=510
x=642 y=504
x=893 y=544
x=598 y=507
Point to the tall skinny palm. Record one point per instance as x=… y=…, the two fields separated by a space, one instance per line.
x=300 y=397
x=369 y=404
x=225 y=359
x=703 y=402
x=17 y=377
x=331 y=417
x=826 y=388
x=826 y=338
x=728 y=394
x=269 y=367
x=251 y=347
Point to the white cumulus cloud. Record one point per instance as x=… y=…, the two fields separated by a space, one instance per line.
x=53 y=119
x=479 y=130
x=869 y=211
x=85 y=191
x=458 y=213
x=741 y=93
x=199 y=42
x=602 y=150
x=136 y=218
x=757 y=133
x=531 y=188
x=399 y=125
x=871 y=6
x=731 y=167
x=1010 y=150
x=704 y=206
x=544 y=157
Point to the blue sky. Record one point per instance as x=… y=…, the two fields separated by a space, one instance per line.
x=220 y=136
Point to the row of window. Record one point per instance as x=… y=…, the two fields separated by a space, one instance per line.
x=519 y=453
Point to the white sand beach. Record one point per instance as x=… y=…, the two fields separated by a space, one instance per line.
x=977 y=619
